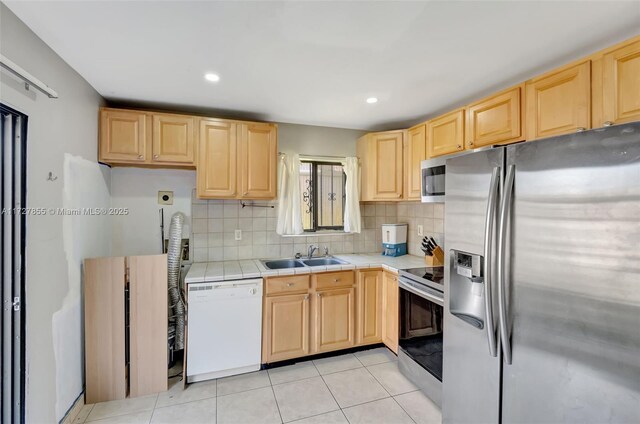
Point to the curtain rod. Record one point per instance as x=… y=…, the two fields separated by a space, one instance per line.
x=318 y=156
x=29 y=80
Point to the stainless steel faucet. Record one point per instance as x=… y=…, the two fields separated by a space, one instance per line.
x=311 y=251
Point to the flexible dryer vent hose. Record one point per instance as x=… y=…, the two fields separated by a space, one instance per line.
x=174 y=261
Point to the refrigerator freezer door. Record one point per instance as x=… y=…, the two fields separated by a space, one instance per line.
x=574 y=280
x=471 y=376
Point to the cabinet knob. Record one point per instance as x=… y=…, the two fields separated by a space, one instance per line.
x=140 y=157
x=319 y=294
x=336 y=280
x=399 y=196
x=155 y=156
x=608 y=123
x=245 y=193
x=580 y=129
x=306 y=297
x=459 y=146
x=289 y=284
x=470 y=144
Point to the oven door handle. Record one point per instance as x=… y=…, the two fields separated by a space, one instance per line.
x=424 y=294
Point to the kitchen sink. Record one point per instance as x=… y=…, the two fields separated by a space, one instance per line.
x=323 y=261
x=283 y=263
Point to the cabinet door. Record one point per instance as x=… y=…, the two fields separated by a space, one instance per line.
x=123 y=136
x=445 y=134
x=334 y=319
x=369 y=295
x=285 y=327
x=390 y=311
x=621 y=84
x=258 y=161
x=559 y=102
x=415 y=152
x=104 y=338
x=173 y=139
x=496 y=119
x=387 y=157
x=147 y=324
x=217 y=160
x=366 y=178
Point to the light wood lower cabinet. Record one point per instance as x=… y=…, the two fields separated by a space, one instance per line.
x=311 y=314
x=369 y=295
x=334 y=319
x=285 y=327
x=106 y=281
x=390 y=311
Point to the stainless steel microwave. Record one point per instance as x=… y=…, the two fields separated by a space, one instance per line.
x=432 y=173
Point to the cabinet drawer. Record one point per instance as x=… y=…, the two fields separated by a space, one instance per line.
x=288 y=284
x=330 y=280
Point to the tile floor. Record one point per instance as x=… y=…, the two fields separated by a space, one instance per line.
x=365 y=387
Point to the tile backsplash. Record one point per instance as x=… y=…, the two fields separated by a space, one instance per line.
x=429 y=215
x=215 y=221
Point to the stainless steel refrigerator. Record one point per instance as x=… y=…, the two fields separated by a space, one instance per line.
x=542 y=281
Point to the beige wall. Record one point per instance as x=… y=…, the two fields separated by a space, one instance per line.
x=55 y=246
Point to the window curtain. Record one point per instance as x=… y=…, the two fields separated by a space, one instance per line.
x=289 y=202
x=352 y=220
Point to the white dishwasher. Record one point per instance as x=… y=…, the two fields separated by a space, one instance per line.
x=224 y=328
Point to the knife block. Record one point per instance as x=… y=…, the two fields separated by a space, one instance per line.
x=437 y=259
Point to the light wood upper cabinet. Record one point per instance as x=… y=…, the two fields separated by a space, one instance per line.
x=559 y=102
x=123 y=136
x=258 y=153
x=369 y=296
x=334 y=319
x=217 y=160
x=620 y=84
x=390 y=310
x=173 y=139
x=445 y=134
x=415 y=152
x=381 y=158
x=285 y=327
x=496 y=119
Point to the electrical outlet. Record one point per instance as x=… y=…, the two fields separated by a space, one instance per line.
x=238 y=235
x=165 y=197
x=420 y=230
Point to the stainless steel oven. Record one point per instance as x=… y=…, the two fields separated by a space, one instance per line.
x=421 y=308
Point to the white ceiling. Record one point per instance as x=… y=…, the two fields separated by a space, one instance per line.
x=316 y=62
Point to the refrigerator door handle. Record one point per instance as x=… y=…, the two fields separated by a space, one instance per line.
x=505 y=213
x=488 y=248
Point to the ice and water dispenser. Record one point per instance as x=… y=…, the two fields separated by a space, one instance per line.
x=466 y=288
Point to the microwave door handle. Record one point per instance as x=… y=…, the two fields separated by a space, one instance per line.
x=505 y=214
x=488 y=249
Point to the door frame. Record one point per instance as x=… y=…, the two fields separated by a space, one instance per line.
x=17 y=337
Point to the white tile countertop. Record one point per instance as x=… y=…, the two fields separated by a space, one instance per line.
x=253 y=268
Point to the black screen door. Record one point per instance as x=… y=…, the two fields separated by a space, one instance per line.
x=13 y=128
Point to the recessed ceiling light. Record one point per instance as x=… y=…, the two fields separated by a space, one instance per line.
x=372 y=100
x=212 y=77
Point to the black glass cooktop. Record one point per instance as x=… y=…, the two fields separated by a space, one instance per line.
x=432 y=274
